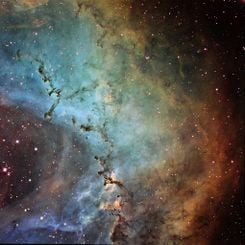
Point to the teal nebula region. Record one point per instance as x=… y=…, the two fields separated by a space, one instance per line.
x=119 y=122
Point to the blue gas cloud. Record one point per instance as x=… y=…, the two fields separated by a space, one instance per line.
x=108 y=132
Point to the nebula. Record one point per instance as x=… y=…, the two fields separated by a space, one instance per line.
x=121 y=122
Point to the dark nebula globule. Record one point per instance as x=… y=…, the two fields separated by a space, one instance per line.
x=121 y=122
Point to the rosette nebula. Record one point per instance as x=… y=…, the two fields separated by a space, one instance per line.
x=121 y=122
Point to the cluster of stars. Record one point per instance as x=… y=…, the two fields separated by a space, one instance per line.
x=6 y=170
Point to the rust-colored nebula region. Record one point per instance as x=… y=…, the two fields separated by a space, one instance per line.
x=121 y=122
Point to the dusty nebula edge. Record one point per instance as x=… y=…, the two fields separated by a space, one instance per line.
x=121 y=122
